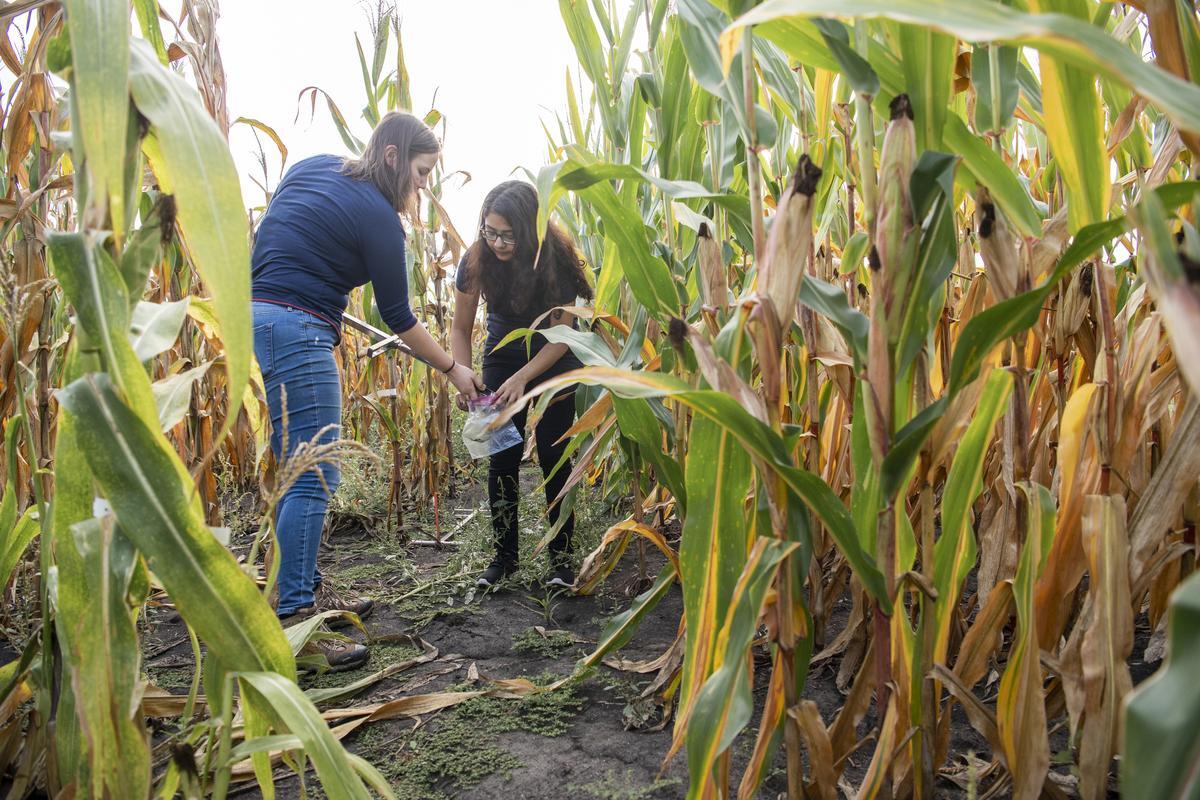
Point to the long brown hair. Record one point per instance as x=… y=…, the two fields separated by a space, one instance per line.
x=526 y=288
x=411 y=138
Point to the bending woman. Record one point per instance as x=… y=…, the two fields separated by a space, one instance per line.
x=500 y=267
x=332 y=225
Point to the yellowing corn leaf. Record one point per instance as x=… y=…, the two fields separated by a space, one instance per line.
x=1020 y=707
x=712 y=550
x=1077 y=468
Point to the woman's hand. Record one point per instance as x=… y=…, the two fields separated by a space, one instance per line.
x=511 y=390
x=469 y=384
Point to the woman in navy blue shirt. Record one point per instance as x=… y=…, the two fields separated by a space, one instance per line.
x=500 y=267
x=333 y=225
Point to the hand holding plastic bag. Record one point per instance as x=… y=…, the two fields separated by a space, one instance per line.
x=480 y=441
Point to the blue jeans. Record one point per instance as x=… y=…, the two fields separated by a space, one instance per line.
x=295 y=351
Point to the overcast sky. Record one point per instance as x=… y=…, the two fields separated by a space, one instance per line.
x=498 y=68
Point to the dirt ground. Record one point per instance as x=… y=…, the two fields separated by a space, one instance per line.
x=595 y=738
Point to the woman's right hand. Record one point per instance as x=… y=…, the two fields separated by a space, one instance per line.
x=469 y=384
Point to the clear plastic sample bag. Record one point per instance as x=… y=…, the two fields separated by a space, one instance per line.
x=480 y=441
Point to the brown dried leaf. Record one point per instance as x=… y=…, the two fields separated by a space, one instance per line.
x=807 y=716
x=1107 y=639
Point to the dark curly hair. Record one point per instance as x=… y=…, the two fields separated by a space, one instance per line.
x=559 y=275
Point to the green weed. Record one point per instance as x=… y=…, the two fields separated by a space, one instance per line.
x=625 y=788
x=552 y=645
x=458 y=749
x=170 y=677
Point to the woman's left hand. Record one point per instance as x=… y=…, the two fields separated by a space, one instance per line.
x=511 y=390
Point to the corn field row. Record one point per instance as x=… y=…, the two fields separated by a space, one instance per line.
x=973 y=424
x=896 y=308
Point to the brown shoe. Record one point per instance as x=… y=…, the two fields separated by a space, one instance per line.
x=338 y=655
x=329 y=600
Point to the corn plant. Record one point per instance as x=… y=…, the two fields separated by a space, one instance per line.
x=126 y=138
x=890 y=296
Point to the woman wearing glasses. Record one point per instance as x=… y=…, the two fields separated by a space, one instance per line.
x=500 y=267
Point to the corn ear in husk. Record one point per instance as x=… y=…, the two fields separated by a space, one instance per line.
x=895 y=240
x=714 y=283
x=782 y=271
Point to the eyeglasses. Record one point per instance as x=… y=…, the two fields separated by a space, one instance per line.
x=508 y=238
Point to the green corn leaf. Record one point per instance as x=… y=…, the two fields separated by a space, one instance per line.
x=937 y=252
x=8 y=502
x=576 y=177
x=712 y=548
x=803 y=39
x=577 y=132
x=994 y=76
x=638 y=108
x=725 y=703
x=265 y=744
x=1070 y=40
x=676 y=100
x=609 y=286
x=582 y=31
x=602 y=17
x=549 y=194
x=93 y=283
x=988 y=168
x=1074 y=123
x=756 y=437
x=856 y=68
x=700 y=35
x=656 y=19
x=383 y=32
x=173 y=395
x=621 y=628
x=99 y=31
x=1160 y=749
x=16 y=537
x=830 y=301
x=141 y=253
x=147 y=16
x=780 y=81
x=928 y=62
x=103 y=656
x=588 y=347
x=73 y=496
x=300 y=716
x=140 y=476
x=370 y=111
x=638 y=423
x=624 y=46
x=648 y=276
x=154 y=327
x=192 y=161
x=954 y=552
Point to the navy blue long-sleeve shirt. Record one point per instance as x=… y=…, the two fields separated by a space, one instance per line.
x=325 y=234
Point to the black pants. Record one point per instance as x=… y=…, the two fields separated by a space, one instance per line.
x=503 y=469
